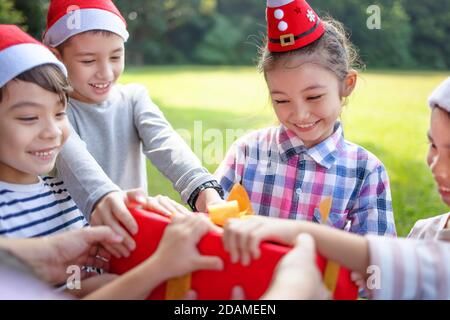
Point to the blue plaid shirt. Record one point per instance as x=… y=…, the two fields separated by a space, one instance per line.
x=284 y=179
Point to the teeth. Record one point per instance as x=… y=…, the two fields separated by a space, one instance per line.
x=305 y=126
x=42 y=154
x=445 y=189
x=100 y=86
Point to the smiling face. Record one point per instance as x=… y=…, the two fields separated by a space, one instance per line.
x=439 y=152
x=33 y=129
x=94 y=60
x=307 y=98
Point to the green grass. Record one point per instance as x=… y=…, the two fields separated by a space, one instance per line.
x=387 y=114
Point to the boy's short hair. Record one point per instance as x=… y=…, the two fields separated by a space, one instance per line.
x=49 y=77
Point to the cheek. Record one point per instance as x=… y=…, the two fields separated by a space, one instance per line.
x=118 y=69
x=65 y=131
x=14 y=139
x=282 y=113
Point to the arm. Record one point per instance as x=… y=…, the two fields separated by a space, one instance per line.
x=84 y=178
x=50 y=256
x=167 y=150
x=372 y=212
x=409 y=269
x=243 y=237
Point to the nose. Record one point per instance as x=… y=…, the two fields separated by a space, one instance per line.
x=440 y=169
x=105 y=71
x=301 y=112
x=50 y=130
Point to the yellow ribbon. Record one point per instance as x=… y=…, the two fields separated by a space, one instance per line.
x=332 y=269
x=238 y=205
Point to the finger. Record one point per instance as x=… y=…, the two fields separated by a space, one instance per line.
x=243 y=246
x=305 y=246
x=237 y=293
x=116 y=253
x=246 y=233
x=233 y=245
x=154 y=205
x=209 y=263
x=255 y=242
x=136 y=195
x=98 y=234
x=127 y=239
x=167 y=204
x=181 y=209
x=200 y=226
x=123 y=215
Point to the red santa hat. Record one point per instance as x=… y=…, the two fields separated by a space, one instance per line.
x=67 y=18
x=291 y=24
x=441 y=96
x=19 y=52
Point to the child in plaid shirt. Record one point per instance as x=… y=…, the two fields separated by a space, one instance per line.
x=417 y=268
x=288 y=170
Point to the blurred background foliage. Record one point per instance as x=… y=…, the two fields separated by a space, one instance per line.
x=413 y=34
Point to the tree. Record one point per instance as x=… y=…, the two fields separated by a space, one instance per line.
x=9 y=15
x=431 y=35
x=34 y=13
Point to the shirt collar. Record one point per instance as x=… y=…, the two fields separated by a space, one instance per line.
x=324 y=153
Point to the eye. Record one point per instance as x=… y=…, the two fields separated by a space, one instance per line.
x=116 y=58
x=61 y=114
x=28 y=119
x=315 y=97
x=281 y=101
x=87 y=61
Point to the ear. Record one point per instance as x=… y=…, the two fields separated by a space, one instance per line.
x=349 y=83
x=56 y=53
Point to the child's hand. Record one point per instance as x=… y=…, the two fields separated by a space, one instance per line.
x=207 y=198
x=242 y=238
x=178 y=252
x=164 y=205
x=51 y=256
x=112 y=211
x=297 y=276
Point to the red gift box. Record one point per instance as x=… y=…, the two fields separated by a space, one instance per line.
x=218 y=285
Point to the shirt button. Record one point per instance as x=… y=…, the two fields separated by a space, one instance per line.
x=298 y=191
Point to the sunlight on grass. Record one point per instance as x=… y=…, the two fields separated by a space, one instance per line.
x=387 y=114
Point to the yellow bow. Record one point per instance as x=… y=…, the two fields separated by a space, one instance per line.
x=238 y=205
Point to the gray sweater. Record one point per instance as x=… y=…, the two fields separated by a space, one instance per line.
x=118 y=133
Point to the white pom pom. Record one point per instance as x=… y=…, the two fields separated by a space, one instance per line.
x=279 y=14
x=282 y=26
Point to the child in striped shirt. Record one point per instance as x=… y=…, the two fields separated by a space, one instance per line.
x=33 y=129
x=289 y=169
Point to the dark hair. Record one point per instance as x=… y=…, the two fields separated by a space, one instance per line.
x=49 y=77
x=333 y=51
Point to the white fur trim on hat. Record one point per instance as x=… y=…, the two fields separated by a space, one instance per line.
x=17 y=59
x=277 y=3
x=441 y=96
x=83 y=20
